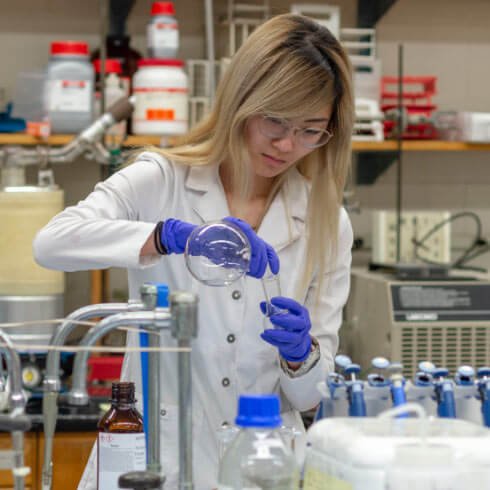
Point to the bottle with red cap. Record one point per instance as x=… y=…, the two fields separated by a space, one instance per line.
x=114 y=89
x=163 y=31
x=69 y=87
x=161 y=107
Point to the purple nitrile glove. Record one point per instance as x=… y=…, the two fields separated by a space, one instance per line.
x=262 y=252
x=174 y=235
x=292 y=339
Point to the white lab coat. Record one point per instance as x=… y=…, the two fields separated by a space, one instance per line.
x=109 y=228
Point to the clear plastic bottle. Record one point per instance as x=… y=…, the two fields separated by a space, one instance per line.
x=258 y=458
x=121 y=440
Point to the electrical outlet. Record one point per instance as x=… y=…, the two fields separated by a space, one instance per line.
x=414 y=226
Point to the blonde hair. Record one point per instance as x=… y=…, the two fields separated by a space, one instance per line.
x=289 y=67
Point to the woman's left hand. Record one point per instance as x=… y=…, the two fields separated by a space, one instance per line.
x=292 y=338
x=262 y=253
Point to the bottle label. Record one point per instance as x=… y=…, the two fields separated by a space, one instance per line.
x=69 y=95
x=118 y=454
x=160 y=104
x=163 y=36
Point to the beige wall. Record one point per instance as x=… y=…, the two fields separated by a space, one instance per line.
x=451 y=40
x=447 y=38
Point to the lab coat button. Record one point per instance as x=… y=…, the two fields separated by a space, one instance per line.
x=225 y=382
x=230 y=338
x=236 y=294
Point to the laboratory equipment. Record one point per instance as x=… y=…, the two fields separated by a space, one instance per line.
x=217 y=253
x=258 y=456
x=69 y=87
x=444 y=321
x=466 y=401
x=397 y=382
x=52 y=382
x=120 y=438
x=354 y=386
x=141 y=480
x=424 y=467
x=484 y=391
x=422 y=389
x=360 y=453
x=28 y=292
x=181 y=318
x=16 y=409
x=444 y=389
x=163 y=31
x=161 y=104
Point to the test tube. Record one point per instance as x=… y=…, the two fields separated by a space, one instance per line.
x=272 y=288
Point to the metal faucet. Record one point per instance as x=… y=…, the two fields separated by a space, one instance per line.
x=52 y=383
x=181 y=318
x=16 y=405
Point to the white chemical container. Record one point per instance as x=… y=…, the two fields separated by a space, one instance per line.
x=163 y=31
x=114 y=89
x=363 y=453
x=473 y=127
x=69 y=87
x=161 y=92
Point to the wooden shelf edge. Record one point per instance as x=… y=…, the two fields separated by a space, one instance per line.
x=63 y=139
x=389 y=145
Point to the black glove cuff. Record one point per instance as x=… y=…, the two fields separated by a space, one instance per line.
x=157 y=239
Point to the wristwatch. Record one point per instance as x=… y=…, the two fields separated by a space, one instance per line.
x=308 y=364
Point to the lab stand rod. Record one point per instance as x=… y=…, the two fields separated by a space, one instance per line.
x=399 y=160
x=185 y=417
x=183 y=306
x=208 y=13
x=153 y=410
x=19 y=466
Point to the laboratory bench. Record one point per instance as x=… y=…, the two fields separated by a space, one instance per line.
x=71 y=450
x=76 y=432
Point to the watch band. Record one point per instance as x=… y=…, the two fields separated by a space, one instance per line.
x=308 y=364
x=157 y=239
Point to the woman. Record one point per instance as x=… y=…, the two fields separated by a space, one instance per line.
x=274 y=153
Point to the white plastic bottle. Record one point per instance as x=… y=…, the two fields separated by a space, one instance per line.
x=258 y=458
x=69 y=87
x=161 y=99
x=163 y=31
x=114 y=90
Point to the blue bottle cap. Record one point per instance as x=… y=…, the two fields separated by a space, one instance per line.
x=258 y=411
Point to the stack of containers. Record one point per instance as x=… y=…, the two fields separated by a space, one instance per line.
x=370 y=453
x=160 y=85
x=69 y=87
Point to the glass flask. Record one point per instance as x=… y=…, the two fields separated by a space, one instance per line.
x=217 y=253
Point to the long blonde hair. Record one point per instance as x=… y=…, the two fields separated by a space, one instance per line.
x=289 y=67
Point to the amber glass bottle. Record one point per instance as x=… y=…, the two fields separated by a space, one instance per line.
x=123 y=415
x=121 y=439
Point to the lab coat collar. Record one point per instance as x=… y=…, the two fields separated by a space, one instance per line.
x=209 y=203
